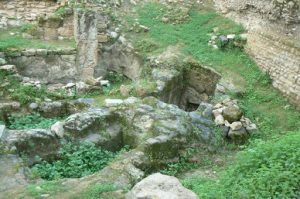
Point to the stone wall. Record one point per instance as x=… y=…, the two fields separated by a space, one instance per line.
x=17 y=12
x=273 y=38
x=48 y=66
x=281 y=60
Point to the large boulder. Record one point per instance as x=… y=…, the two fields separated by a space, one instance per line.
x=158 y=129
x=158 y=186
x=32 y=143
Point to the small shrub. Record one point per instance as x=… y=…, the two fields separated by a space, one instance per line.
x=115 y=78
x=74 y=161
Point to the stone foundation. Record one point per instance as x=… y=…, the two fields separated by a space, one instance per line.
x=49 y=66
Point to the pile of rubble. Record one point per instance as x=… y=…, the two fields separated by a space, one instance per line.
x=230 y=117
x=217 y=40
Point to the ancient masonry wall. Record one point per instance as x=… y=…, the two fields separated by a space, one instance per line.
x=48 y=66
x=281 y=60
x=16 y=12
x=273 y=38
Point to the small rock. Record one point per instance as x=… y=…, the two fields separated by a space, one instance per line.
x=113 y=102
x=2 y=61
x=41 y=52
x=236 y=126
x=231 y=36
x=105 y=83
x=2 y=130
x=251 y=128
x=217 y=112
x=219 y=120
x=113 y=35
x=58 y=129
x=232 y=114
x=9 y=68
x=130 y=100
x=70 y=85
x=124 y=90
x=238 y=136
x=33 y=106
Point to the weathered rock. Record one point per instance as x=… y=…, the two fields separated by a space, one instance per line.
x=53 y=109
x=9 y=69
x=238 y=136
x=113 y=102
x=33 y=106
x=34 y=142
x=160 y=186
x=219 y=120
x=232 y=113
x=124 y=90
x=2 y=61
x=236 y=126
x=2 y=130
x=58 y=129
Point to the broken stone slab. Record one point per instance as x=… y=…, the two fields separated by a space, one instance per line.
x=160 y=186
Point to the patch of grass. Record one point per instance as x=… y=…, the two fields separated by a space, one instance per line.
x=33 y=121
x=261 y=102
x=12 y=40
x=50 y=188
x=95 y=191
x=74 y=161
x=267 y=169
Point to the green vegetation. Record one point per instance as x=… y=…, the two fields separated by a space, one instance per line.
x=95 y=191
x=74 y=161
x=260 y=101
x=182 y=165
x=11 y=40
x=33 y=121
x=267 y=169
x=11 y=86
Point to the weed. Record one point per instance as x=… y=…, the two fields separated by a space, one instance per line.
x=266 y=169
x=34 y=121
x=75 y=161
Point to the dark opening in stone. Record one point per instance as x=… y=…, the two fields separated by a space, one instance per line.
x=191 y=87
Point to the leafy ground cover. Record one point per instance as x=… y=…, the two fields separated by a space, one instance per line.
x=12 y=39
x=32 y=121
x=75 y=160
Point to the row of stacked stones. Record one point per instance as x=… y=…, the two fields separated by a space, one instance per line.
x=230 y=117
